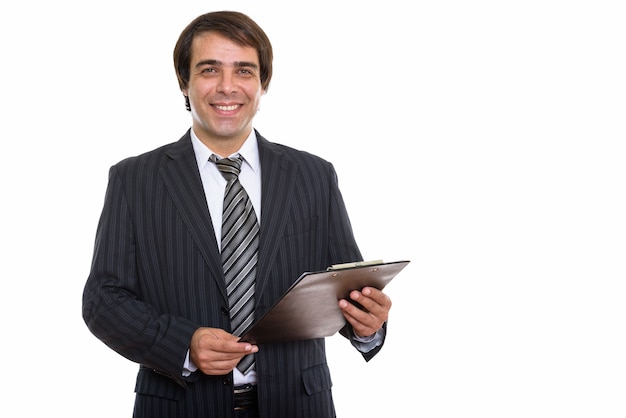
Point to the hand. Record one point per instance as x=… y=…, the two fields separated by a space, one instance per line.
x=216 y=352
x=374 y=314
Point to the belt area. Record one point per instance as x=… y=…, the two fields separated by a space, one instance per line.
x=245 y=397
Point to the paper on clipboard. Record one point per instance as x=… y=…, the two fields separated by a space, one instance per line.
x=309 y=309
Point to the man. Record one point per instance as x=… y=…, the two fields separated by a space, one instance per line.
x=157 y=291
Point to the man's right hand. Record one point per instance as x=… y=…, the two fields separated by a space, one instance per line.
x=217 y=352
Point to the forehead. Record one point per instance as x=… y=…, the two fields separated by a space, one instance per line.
x=213 y=46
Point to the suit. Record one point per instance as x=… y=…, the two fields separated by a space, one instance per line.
x=156 y=277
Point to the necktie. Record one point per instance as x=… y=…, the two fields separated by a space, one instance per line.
x=240 y=242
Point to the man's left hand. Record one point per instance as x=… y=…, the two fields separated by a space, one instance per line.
x=374 y=313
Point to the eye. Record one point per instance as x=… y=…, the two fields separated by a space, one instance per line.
x=245 y=72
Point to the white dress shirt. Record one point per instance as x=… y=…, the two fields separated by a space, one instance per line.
x=214 y=184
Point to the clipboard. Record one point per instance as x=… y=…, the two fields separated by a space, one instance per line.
x=310 y=309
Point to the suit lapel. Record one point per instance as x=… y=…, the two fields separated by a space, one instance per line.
x=276 y=182
x=183 y=182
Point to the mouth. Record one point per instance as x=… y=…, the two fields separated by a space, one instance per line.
x=228 y=108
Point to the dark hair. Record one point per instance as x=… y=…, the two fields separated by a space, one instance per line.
x=237 y=27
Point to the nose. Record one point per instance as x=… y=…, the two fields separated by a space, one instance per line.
x=226 y=84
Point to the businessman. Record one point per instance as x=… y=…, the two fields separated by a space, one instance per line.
x=178 y=272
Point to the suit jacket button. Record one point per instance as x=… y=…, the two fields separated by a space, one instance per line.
x=225 y=310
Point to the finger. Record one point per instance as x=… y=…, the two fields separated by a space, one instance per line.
x=222 y=362
x=365 y=302
x=220 y=341
x=356 y=316
x=247 y=348
x=377 y=296
x=375 y=302
x=360 y=328
x=218 y=367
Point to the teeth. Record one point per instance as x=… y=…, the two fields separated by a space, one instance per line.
x=231 y=107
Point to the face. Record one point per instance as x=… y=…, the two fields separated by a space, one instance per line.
x=224 y=91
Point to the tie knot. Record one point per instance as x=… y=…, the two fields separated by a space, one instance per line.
x=229 y=167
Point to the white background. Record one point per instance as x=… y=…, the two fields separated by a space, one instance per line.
x=503 y=124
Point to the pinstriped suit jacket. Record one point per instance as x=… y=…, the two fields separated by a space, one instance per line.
x=156 y=277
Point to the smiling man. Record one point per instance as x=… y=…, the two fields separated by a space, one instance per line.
x=202 y=235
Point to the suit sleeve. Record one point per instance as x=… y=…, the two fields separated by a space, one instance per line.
x=343 y=249
x=342 y=245
x=111 y=307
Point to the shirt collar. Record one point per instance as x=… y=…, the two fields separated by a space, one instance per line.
x=249 y=151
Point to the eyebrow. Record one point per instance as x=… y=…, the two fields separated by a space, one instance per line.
x=237 y=64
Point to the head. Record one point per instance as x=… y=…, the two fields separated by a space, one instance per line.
x=223 y=62
x=235 y=26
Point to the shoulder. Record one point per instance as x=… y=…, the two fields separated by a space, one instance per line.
x=156 y=157
x=301 y=158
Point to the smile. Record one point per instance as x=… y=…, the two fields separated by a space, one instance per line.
x=227 y=108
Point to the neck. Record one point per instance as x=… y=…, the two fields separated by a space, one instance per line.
x=223 y=146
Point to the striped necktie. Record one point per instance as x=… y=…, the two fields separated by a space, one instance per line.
x=240 y=242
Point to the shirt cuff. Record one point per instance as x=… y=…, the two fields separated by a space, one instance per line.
x=367 y=344
x=188 y=366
